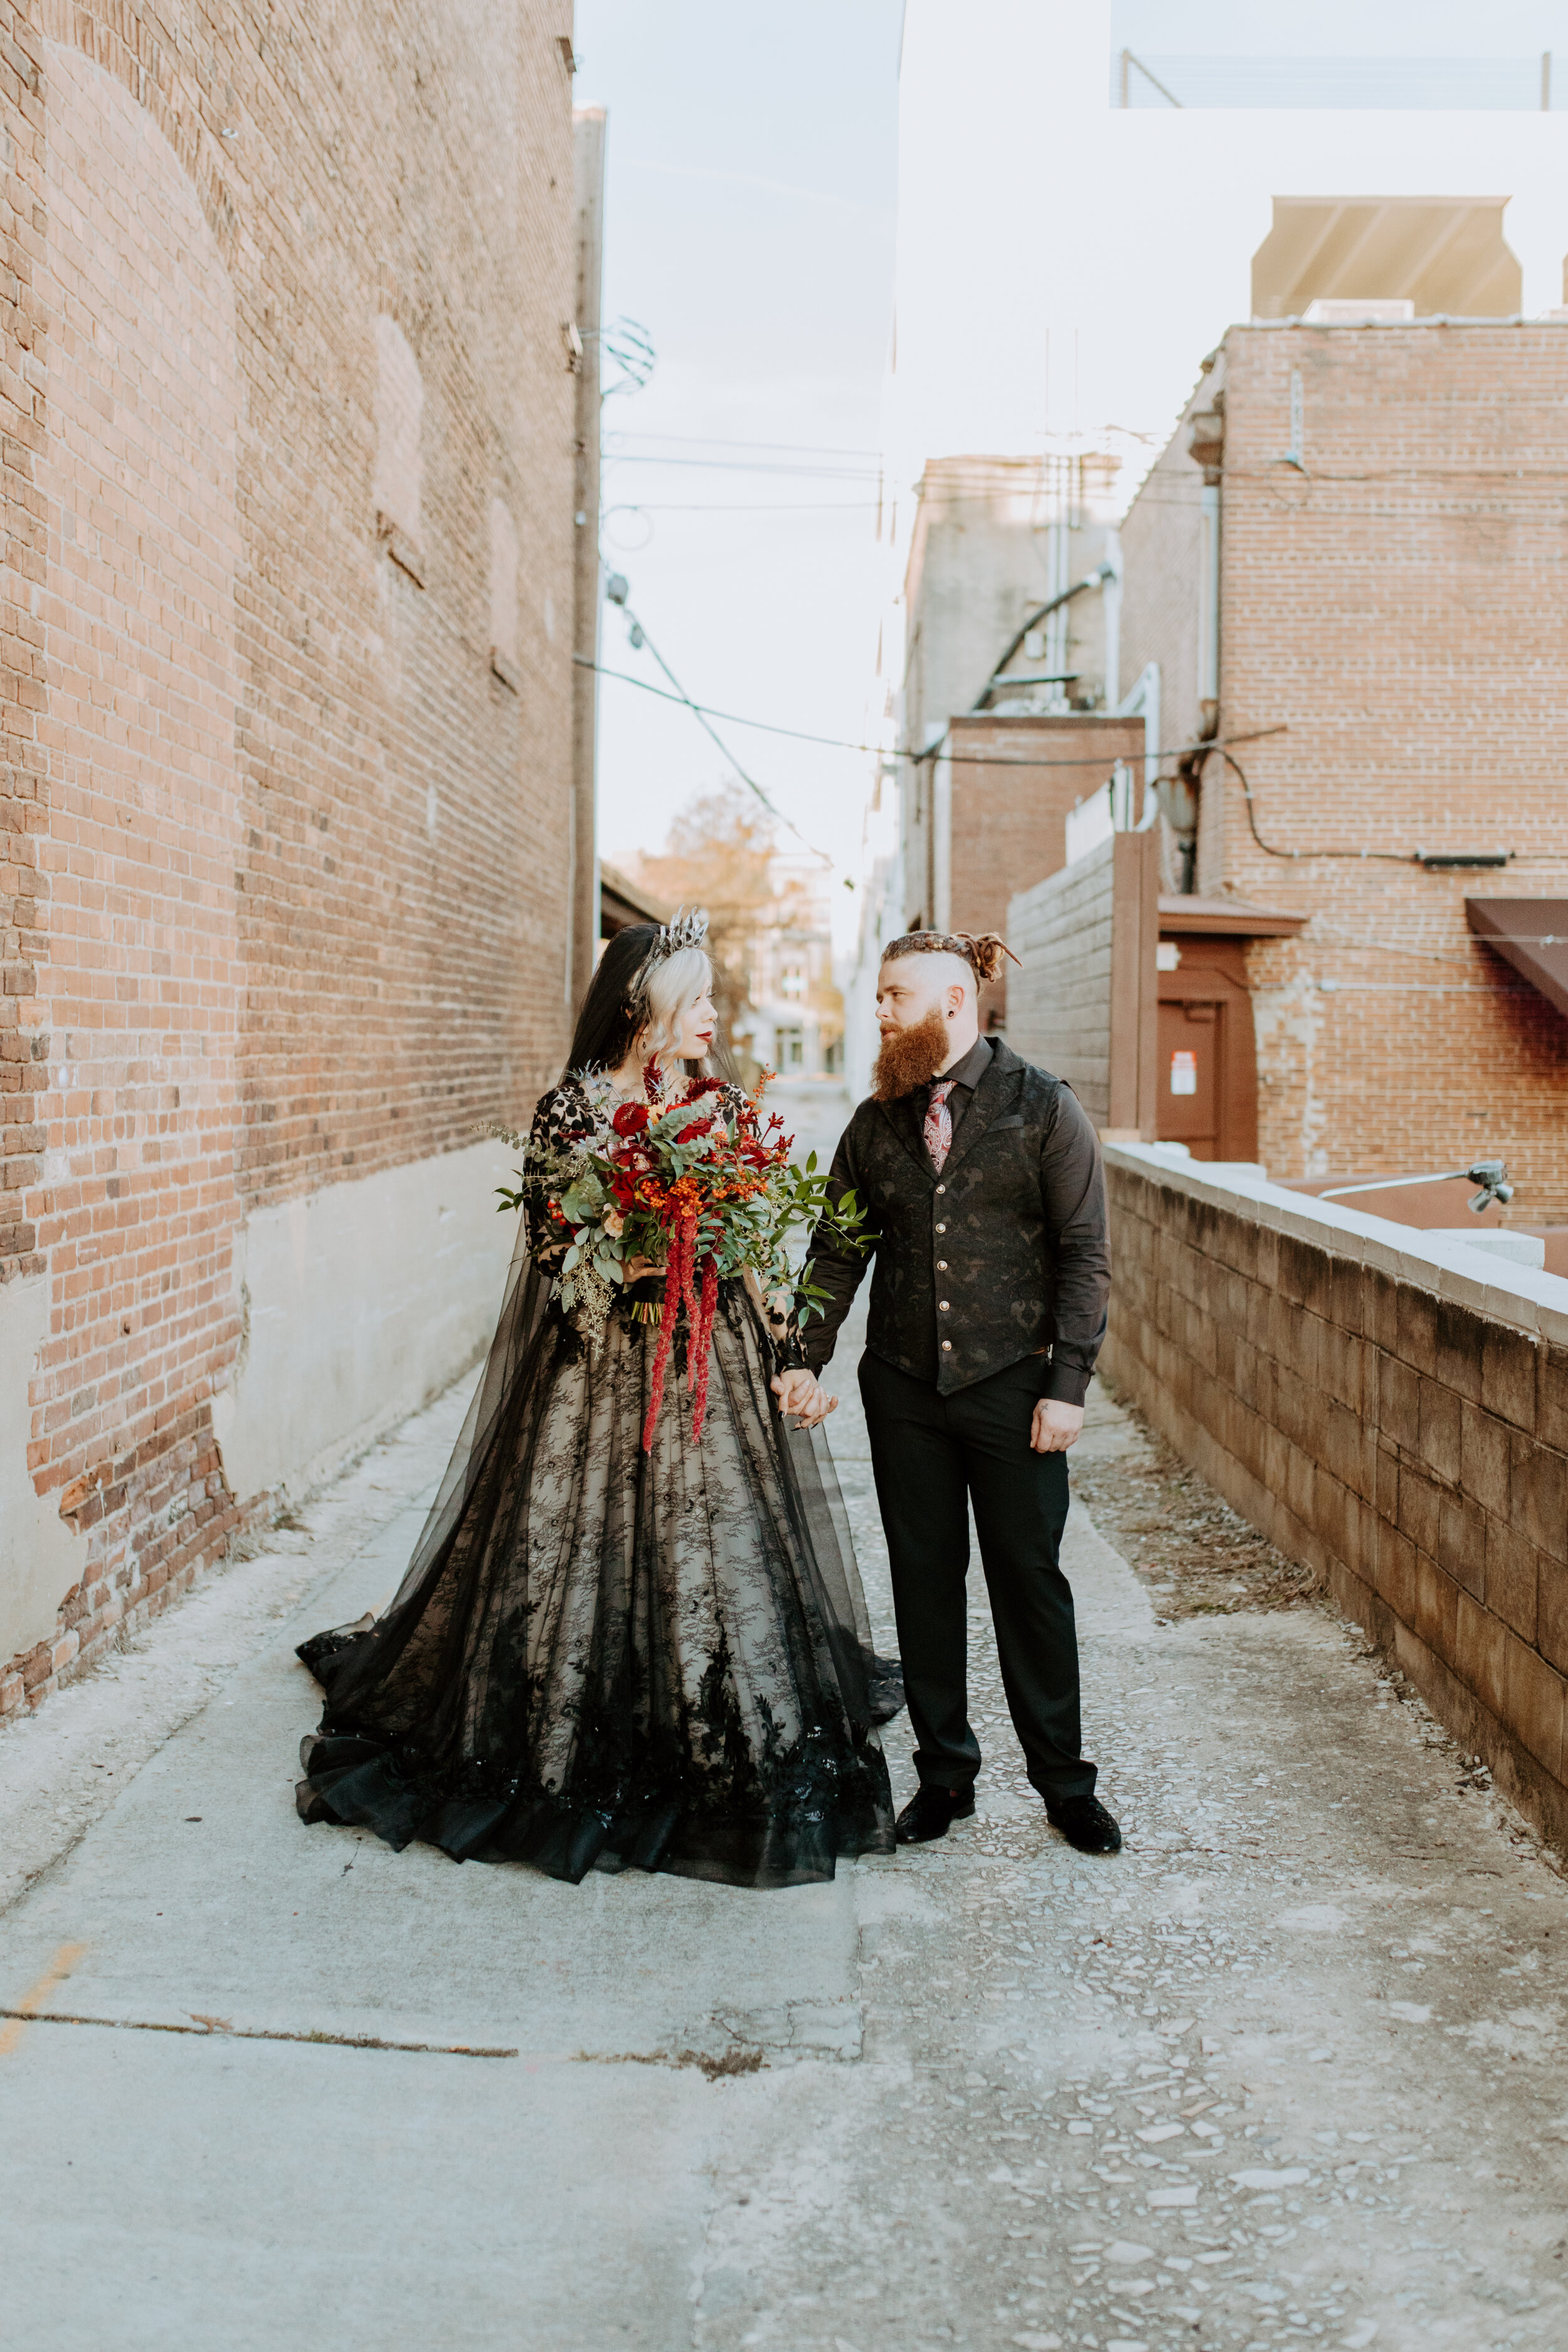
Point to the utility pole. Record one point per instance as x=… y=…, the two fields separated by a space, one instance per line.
x=588 y=174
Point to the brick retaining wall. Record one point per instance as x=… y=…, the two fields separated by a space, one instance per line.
x=1390 y=1408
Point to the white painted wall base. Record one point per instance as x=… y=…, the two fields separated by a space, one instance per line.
x=38 y=1552
x=362 y=1302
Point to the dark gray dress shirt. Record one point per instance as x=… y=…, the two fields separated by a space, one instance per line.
x=966 y=1076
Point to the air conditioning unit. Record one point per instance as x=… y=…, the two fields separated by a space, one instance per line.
x=1343 y=311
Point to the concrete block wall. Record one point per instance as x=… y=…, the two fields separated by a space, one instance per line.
x=1085 y=999
x=1390 y=1408
x=283 y=857
x=1011 y=781
x=1059 y=1003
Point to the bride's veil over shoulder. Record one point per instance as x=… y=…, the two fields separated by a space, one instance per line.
x=472 y=1490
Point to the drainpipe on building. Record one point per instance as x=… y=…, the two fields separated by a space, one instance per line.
x=588 y=172
x=1113 y=607
x=1206 y=445
x=1208 y=614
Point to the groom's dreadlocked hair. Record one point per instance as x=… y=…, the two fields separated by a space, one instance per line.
x=983 y=951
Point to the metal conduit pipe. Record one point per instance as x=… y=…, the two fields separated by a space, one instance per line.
x=1096 y=579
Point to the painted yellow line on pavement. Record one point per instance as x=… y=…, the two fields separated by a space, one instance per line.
x=21 y=2011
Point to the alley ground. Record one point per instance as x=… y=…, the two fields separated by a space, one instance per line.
x=1289 y=2068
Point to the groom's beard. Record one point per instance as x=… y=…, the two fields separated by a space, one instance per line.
x=911 y=1057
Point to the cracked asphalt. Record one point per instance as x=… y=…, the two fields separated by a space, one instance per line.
x=1288 y=2069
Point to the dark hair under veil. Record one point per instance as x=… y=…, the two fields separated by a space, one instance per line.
x=385 y=1679
x=607 y=1019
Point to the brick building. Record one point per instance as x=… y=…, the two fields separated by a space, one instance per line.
x=794 y=1023
x=999 y=794
x=1352 y=554
x=288 y=431
x=1009 y=629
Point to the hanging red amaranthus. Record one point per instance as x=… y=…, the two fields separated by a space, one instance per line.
x=697 y=1291
x=676 y=1279
x=699 y=1185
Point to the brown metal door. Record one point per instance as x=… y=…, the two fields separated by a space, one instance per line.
x=1191 y=1055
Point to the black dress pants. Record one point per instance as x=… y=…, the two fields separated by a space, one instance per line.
x=932 y=1455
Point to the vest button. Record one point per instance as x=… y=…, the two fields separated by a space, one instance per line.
x=941 y=1306
x=942 y=1188
x=942 y=1265
x=941 y=1229
x=947 y=1343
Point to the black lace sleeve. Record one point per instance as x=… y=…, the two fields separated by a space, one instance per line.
x=562 y=1119
x=784 y=1331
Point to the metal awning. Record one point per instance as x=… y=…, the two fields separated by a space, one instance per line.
x=623 y=902
x=1225 y=918
x=1532 y=934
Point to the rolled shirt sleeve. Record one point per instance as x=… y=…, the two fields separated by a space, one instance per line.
x=834 y=1267
x=1072 y=1191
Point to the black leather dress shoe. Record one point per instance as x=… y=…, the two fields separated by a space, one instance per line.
x=1084 y=1823
x=931 y=1811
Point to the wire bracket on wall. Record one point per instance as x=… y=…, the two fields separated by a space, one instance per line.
x=1435 y=861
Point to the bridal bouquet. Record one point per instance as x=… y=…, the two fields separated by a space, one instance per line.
x=698 y=1191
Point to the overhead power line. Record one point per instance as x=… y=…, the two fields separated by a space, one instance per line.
x=1221 y=744
x=897 y=752
x=714 y=441
x=698 y=712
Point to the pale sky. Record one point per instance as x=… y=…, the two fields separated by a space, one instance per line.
x=750 y=219
x=754 y=227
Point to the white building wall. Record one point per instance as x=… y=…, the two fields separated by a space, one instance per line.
x=360 y=1302
x=1105 y=326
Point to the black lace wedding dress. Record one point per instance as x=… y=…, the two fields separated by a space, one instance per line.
x=601 y=1658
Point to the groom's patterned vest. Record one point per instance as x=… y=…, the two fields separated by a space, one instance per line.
x=1002 y=1256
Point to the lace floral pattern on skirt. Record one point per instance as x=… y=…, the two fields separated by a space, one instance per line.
x=601 y=1658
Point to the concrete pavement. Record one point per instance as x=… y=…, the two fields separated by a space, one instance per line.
x=1290 y=2067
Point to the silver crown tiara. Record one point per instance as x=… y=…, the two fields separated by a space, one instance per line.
x=684 y=932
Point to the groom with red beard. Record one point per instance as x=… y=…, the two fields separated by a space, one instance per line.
x=981 y=1180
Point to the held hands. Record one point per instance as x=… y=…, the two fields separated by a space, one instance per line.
x=800 y=1391
x=1056 y=1425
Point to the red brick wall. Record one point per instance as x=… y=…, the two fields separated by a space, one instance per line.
x=1396 y=606
x=1162 y=567
x=24 y=794
x=1400 y=1428
x=285 y=863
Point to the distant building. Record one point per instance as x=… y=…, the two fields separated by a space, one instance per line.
x=1008 y=701
x=1345 y=570
x=794 y=1023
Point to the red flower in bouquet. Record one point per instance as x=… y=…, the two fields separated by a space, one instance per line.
x=707 y=1198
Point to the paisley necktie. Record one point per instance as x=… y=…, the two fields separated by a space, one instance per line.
x=939 y=1124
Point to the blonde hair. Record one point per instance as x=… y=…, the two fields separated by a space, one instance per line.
x=670 y=987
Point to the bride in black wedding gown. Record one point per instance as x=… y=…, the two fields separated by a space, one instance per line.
x=601 y=1658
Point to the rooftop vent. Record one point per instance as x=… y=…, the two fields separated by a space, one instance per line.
x=1344 y=311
